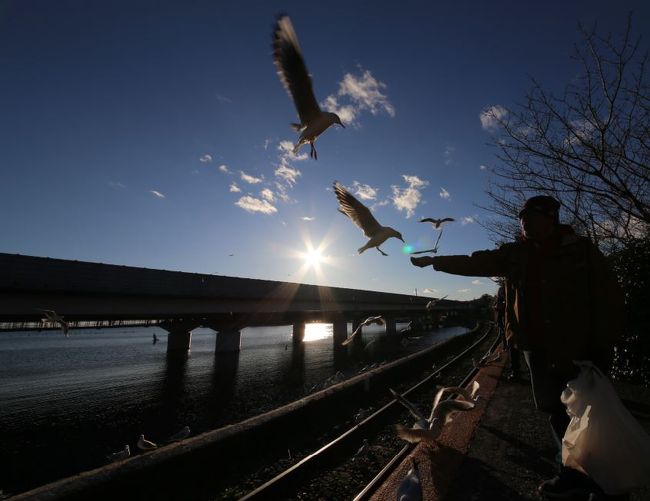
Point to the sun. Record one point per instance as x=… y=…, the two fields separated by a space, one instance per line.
x=312 y=258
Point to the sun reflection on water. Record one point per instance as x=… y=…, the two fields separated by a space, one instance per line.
x=317 y=331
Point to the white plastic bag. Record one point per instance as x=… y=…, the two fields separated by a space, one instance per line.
x=603 y=440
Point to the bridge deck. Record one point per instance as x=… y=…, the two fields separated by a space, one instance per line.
x=505 y=453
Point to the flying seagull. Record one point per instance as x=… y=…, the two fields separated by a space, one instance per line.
x=146 y=445
x=119 y=455
x=368 y=321
x=361 y=216
x=434 y=302
x=437 y=223
x=295 y=78
x=410 y=488
x=53 y=316
x=428 y=429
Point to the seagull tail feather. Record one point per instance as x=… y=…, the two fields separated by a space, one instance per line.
x=297 y=127
x=414 y=435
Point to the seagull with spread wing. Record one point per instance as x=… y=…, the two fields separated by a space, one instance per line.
x=361 y=216
x=437 y=223
x=368 y=321
x=53 y=316
x=433 y=302
x=295 y=78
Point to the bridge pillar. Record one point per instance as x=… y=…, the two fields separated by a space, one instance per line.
x=228 y=341
x=298 y=332
x=391 y=326
x=339 y=331
x=179 y=340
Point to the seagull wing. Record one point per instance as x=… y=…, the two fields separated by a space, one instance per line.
x=447 y=219
x=415 y=412
x=429 y=220
x=349 y=340
x=414 y=435
x=444 y=410
x=292 y=70
x=355 y=210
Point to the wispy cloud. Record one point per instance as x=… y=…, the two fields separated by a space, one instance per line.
x=365 y=191
x=307 y=218
x=267 y=141
x=205 y=159
x=224 y=168
x=491 y=116
x=464 y=291
x=362 y=93
x=116 y=185
x=467 y=220
x=267 y=194
x=430 y=291
x=287 y=174
x=482 y=167
x=287 y=154
x=157 y=193
x=477 y=282
x=407 y=199
x=234 y=188
x=250 y=179
x=223 y=99
x=444 y=194
x=448 y=153
x=252 y=205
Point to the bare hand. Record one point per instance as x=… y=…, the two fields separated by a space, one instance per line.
x=422 y=261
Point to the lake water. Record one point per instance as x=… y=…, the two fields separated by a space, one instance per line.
x=65 y=403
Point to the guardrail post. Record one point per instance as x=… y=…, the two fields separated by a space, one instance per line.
x=391 y=326
x=298 y=332
x=228 y=341
x=179 y=338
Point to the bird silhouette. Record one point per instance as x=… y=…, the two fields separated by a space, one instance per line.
x=433 y=302
x=53 y=316
x=296 y=79
x=361 y=216
x=368 y=321
x=437 y=223
x=410 y=488
x=119 y=455
x=146 y=445
x=179 y=435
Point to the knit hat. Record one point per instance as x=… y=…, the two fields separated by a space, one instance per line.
x=544 y=205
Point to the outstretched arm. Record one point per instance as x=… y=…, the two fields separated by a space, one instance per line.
x=487 y=263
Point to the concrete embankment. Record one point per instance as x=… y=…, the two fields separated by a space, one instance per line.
x=190 y=469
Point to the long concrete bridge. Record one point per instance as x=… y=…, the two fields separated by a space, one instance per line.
x=112 y=295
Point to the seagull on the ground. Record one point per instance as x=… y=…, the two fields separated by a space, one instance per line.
x=437 y=223
x=296 y=79
x=368 y=321
x=361 y=216
x=180 y=435
x=53 y=316
x=433 y=302
x=468 y=394
x=410 y=488
x=486 y=359
x=428 y=429
x=119 y=455
x=146 y=445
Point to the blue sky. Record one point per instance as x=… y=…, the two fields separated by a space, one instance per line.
x=151 y=133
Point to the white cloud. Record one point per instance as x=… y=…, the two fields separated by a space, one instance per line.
x=307 y=218
x=287 y=174
x=363 y=92
x=267 y=194
x=464 y=291
x=252 y=204
x=365 y=191
x=379 y=204
x=267 y=141
x=157 y=193
x=444 y=194
x=482 y=167
x=491 y=116
x=430 y=291
x=408 y=198
x=467 y=220
x=224 y=168
x=250 y=179
x=234 y=188
x=286 y=147
x=477 y=282
x=206 y=159
x=223 y=99
x=116 y=185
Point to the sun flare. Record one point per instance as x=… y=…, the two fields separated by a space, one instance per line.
x=313 y=258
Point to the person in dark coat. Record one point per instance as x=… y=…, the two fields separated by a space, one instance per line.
x=562 y=303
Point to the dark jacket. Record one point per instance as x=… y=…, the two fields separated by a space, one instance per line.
x=580 y=314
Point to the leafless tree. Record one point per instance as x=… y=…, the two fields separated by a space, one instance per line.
x=588 y=147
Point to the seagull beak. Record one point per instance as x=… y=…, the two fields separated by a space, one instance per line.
x=342 y=125
x=402 y=240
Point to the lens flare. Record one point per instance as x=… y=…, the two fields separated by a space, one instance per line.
x=407 y=249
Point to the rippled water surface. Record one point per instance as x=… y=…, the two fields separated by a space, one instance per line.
x=67 y=402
